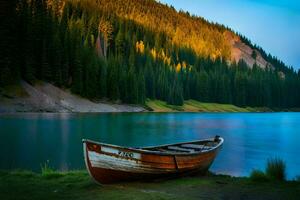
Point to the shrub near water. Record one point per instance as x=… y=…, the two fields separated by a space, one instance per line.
x=276 y=169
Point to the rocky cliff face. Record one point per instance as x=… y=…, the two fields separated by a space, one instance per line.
x=242 y=51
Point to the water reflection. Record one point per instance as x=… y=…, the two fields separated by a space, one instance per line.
x=28 y=140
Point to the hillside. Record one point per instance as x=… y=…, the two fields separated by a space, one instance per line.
x=131 y=50
x=182 y=29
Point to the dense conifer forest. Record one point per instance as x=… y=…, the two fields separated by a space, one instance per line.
x=131 y=50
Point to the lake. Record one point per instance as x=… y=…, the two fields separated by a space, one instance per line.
x=29 y=140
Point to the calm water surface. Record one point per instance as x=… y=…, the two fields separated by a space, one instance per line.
x=28 y=140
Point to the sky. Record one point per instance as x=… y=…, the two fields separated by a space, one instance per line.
x=272 y=24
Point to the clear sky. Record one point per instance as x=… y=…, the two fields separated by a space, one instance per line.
x=272 y=24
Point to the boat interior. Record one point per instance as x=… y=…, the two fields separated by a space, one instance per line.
x=199 y=147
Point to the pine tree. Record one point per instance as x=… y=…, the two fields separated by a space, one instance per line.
x=203 y=87
x=141 y=89
x=9 y=71
x=102 y=78
x=132 y=87
x=119 y=43
x=112 y=80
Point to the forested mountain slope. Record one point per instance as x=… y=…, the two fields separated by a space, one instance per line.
x=130 y=50
x=182 y=29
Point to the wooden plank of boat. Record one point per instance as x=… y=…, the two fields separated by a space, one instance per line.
x=170 y=151
x=197 y=147
x=108 y=163
x=193 y=146
x=176 y=148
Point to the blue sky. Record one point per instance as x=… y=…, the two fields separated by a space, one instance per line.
x=272 y=24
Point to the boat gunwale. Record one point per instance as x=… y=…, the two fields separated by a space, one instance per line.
x=145 y=150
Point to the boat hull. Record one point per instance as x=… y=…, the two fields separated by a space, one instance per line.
x=109 y=163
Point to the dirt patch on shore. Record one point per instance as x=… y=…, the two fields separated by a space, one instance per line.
x=45 y=97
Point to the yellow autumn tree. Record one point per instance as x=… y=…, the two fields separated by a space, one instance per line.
x=140 y=47
x=105 y=31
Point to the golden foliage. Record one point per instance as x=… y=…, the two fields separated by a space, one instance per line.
x=140 y=47
x=106 y=29
x=160 y=55
x=178 y=67
x=204 y=38
x=153 y=53
x=57 y=6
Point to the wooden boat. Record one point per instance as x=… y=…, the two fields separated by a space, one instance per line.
x=108 y=163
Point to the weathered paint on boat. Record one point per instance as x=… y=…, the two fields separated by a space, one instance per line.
x=108 y=163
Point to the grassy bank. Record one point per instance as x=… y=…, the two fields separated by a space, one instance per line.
x=196 y=106
x=78 y=185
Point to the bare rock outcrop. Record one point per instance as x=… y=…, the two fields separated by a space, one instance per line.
x=242 y=51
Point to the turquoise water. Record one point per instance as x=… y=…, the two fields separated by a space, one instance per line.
x=29 y=140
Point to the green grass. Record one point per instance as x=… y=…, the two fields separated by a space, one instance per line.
x=48 y=172
x=196 y=106
x=78 y=185
x=161 y=106
x=258 y=176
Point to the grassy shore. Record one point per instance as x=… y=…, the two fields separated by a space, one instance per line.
x=196 y=106
x=78 y=185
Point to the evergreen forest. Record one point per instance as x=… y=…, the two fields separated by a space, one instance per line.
x=131 y=50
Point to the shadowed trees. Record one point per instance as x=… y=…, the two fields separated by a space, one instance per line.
x=100 y=54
